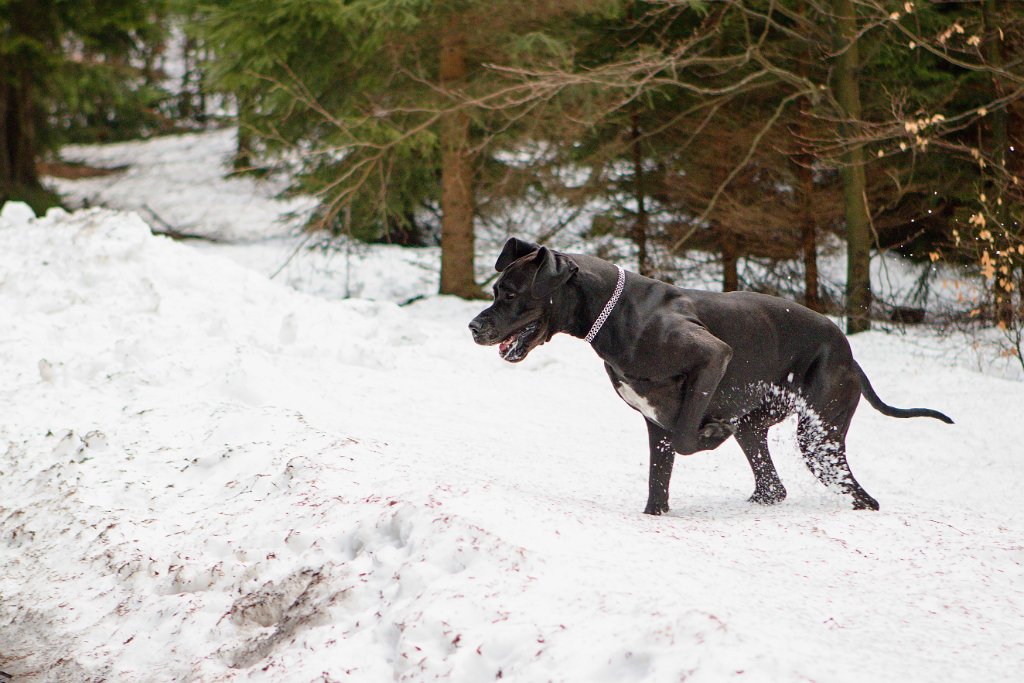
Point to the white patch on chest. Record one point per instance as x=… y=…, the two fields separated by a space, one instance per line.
x=638 y=402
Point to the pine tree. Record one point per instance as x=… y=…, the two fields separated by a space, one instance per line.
x=380 y=99
x=680 y=150
x=54 y=58
x=891 y=101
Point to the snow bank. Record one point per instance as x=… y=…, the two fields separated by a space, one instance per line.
x=207 y=475
x=184 y=180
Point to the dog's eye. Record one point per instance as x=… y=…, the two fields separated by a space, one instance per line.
x=510 y=295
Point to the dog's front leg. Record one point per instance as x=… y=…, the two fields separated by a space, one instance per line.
x=707 y=359
x=662 y=458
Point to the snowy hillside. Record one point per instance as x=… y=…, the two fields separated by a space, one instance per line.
x=207 y=475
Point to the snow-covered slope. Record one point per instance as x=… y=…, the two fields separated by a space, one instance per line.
x=206 y=475
x=184 y=182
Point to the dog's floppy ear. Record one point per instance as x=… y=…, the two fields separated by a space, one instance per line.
x=553 y=271
x=514 y=250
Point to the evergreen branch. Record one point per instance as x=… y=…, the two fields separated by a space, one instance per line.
x=735 y=171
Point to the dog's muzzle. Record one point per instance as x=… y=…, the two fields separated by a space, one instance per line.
x=483 y=331
x=512 y=347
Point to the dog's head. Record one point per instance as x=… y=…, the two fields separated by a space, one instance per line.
x=531 y=282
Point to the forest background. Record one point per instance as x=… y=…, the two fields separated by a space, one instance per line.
x=732 y=130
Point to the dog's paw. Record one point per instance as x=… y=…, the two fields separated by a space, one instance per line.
x=656 y=509
x=717 y=431
x=864 y=502
x=768 y=496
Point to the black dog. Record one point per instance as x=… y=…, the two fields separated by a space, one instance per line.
x=699 y=366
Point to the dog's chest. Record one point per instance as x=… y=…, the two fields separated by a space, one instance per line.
x=658 y=402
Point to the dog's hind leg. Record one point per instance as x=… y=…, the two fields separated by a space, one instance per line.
x=824 y=450
x=826 y=407
x=662 y=459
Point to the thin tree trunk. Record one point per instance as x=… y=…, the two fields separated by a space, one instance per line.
x=730 y=263
x=1002 y=294
x=243 y=151
x=805 y=180
x=150 y=55
x=186 y=103
x=18 y=143
x=25 y=145
x=457 y=249
x=6 y=169
x=640 y=229
x=858 y=236
x=808 y=236
x=184 y=97
x=204 y=58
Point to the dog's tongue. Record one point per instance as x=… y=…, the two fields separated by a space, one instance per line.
x=504 y=346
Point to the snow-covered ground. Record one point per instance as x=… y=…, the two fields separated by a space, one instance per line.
x=209 y=475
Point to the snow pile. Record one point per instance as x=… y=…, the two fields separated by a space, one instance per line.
x=208 y=475
x=143 y=455
x=184 y=181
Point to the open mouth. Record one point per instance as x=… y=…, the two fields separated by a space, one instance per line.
x=515 y=347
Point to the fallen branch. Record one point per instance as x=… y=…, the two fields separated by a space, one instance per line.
x=168 y=230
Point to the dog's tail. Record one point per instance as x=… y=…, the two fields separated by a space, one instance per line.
x=869 y=393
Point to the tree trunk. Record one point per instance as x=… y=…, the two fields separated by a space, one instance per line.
x=18 y=144
x=730 y=262
x=200 y=114
x=186 y=97
x=1002 y=294
x=805 y=187
x=243 y=152
x=6 y=170
x=641 y=224
x=457 y=160
x=25 y=145
x=640 y=229
x=808 y=237
x=22 y=72
x=858 y=236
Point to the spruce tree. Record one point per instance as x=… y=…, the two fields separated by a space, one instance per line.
x=378 y=104
x=54 y=57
